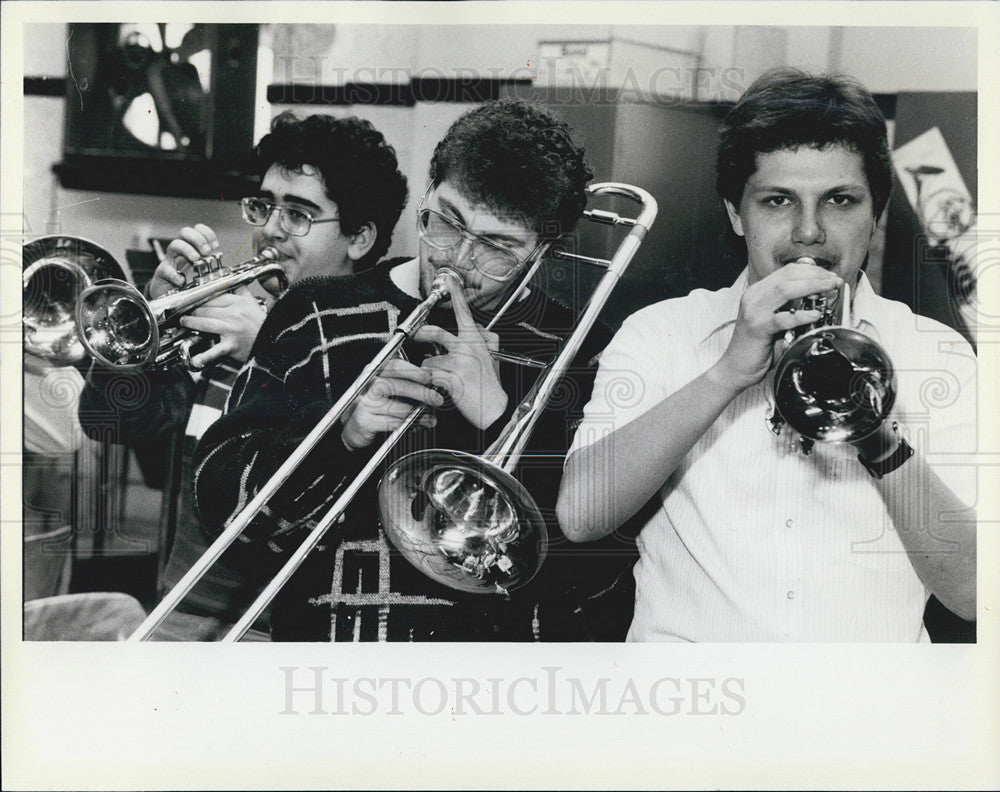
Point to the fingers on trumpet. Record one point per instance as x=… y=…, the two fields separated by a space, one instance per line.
x=803 y=292
x=194 y=243
x=173 y=271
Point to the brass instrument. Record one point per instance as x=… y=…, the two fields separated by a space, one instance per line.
x=123 y=330
x=56 y=270
x=464 y=520
x=832 y=384
x=497 y=508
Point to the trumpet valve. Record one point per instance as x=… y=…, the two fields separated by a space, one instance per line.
x=814 y=302
x=775 y=422
x=207 y=268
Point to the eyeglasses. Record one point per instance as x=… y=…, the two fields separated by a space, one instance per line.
x=491 y=259
x=294 y=222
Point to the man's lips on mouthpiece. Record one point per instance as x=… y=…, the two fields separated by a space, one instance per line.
x=819 y=262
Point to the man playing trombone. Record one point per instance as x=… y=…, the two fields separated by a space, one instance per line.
x=329 y=198
x=506 y=181
x=751 y=537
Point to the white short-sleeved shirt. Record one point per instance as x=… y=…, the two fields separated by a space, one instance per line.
x=753 y=540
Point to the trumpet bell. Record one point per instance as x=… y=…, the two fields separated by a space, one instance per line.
x=463 y=521
x=56 y=270
x=834 y=384
x=116 y=325
x=123 y=330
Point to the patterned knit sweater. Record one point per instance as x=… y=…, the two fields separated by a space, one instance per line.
x=156 y=408
x=356 y=586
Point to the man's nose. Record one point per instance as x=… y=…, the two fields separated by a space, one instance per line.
x=461 y=255
x=808 y=227
x=272 y=227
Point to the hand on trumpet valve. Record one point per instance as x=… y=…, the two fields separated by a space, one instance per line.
x=765 y=315
x=466 y=369
x=387 y=400
x=234 y=317
x=177 y=267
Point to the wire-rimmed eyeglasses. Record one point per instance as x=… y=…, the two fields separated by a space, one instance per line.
x=293 y=221
x=491 y=259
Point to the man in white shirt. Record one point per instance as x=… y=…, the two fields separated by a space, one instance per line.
x=753 y=539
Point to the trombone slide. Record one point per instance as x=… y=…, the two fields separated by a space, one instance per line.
x=404 y=330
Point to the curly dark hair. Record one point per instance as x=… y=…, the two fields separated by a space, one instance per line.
x=359 y=169
x=520 y=162
x=787 y=108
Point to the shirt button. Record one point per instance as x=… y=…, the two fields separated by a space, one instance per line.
x=791 y=595
x=789 y=522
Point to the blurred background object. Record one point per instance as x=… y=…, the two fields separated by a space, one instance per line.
x=943 y=208
x=161 y=109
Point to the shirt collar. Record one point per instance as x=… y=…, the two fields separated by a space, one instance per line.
x=728 y=307
x=862 y=311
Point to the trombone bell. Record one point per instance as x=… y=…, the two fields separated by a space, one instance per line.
x=463 y=521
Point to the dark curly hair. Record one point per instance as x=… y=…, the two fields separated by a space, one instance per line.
x=518 y=161
x=787 y=108
x=359 y=169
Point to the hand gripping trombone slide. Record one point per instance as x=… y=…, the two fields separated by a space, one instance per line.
x=519 y=535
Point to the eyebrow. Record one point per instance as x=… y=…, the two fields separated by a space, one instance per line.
x=291 y=198
x=504 y=239
x=840 y=188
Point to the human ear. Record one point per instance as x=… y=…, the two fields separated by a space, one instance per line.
x=734 y=217
x=362 y=242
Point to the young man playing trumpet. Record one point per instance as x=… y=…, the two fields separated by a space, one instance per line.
x=506 y=181
x=329 y=198
x=750 y=538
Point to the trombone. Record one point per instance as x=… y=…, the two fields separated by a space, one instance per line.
x=510 y=521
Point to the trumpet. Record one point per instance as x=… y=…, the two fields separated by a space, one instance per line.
x=499 y=512
x=120 y=328
x=832 y=384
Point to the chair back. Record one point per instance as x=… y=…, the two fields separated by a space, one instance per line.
x=47 y=559
x=91 y=616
